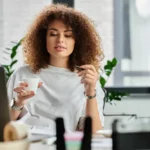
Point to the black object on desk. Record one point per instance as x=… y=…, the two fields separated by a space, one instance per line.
x=4 y=104
x=60 y=130
x=131 y=136
x=86 y=141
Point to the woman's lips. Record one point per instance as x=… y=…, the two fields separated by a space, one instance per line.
x=59 y=48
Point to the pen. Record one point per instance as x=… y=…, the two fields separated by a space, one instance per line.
x=79 y=68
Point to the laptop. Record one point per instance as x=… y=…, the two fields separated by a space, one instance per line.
x=4 y=103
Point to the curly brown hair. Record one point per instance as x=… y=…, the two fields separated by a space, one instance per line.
x=87 y=48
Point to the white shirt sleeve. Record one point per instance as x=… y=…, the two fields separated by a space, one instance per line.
x=11 y=84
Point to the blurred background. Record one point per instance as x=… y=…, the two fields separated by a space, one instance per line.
x=124 y=27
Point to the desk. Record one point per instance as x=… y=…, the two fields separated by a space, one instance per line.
x=40 y=146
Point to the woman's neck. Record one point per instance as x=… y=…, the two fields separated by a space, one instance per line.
x=59 y=62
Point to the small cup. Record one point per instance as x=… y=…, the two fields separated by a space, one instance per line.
x=32 y=84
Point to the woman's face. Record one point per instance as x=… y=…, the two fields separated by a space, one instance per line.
x=59 y=40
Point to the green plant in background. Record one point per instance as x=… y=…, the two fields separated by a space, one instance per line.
x=13 y=52
x=115 y=95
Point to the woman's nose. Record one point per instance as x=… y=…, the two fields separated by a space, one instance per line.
x=61 y=39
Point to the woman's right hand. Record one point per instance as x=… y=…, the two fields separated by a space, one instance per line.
x=22 y=94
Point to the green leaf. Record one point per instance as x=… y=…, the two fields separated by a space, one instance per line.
x=14 y=49
x=110 y=97
x=114 y=62
x=108 y=73
x=102 y=81
x=13 y=62
x=9 y=74
x=108 y=67
x=123 y=94
x=109 y=63
x=117 y=98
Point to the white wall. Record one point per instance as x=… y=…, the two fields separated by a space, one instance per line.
x=15 y=18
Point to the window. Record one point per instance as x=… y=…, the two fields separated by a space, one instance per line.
x=131 y=45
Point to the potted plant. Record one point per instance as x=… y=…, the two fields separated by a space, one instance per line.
x=113 y=95
x=9 y=68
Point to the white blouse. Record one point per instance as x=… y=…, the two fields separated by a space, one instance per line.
x=61 y=95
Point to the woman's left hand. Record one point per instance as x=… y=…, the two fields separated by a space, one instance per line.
x=89 y=78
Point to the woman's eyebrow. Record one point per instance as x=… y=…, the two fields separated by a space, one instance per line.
x=68 y=30
x=53 y=29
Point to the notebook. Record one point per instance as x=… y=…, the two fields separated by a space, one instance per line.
x=4 y=104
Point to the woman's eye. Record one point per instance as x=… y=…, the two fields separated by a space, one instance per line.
x=52 y=34
x=55 y=34
x=68 y=35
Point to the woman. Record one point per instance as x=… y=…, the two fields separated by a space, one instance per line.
x=62 y=48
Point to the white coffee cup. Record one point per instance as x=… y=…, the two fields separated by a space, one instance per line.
x=32 y=84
